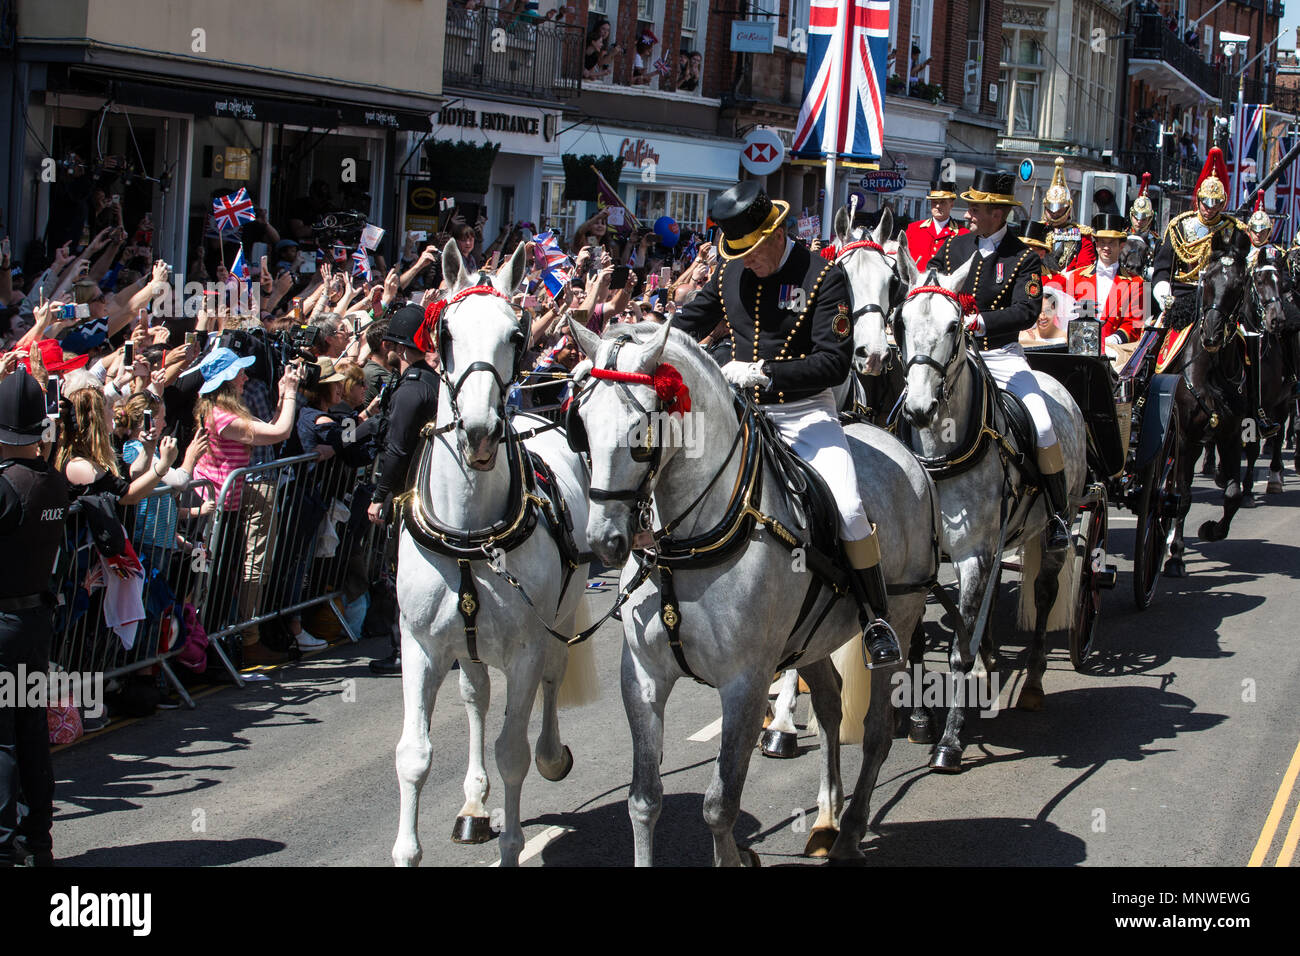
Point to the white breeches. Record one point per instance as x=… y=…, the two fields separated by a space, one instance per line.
x=811 y=426
x=1012 y=372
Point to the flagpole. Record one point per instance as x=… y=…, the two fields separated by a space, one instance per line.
x=828 y=206
x=831 y=131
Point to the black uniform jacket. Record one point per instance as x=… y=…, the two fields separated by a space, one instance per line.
x=806 y=339
x=1007 y=285
x=1180 y=241
x=412 y=404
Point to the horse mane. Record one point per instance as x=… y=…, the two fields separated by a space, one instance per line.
x=1181 y=314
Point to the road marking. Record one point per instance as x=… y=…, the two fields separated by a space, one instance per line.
x=707 y=733
x=538 y=843
x=1275 y=813
x=1292 y=837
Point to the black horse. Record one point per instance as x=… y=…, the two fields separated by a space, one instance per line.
x=1213 y=365
x=1272 y=312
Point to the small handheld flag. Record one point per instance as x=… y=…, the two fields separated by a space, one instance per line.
x=239 y=268
x=230 y=211
x=361 y=264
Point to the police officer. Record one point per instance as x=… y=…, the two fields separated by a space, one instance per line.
x=408 y=406
x=33 y=506
x=787 y=312
x=1007 y=283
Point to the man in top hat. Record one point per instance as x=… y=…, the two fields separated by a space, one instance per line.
x=926 y=236
x=788 y=314
x=1114 y=296
x=33 y=506
x=1142 y=219
x=1006 y=281
x=1191 y=236
x=1068 y=240
x=406 y=407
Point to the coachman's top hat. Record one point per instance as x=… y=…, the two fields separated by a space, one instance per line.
x=993 y=186
x=1035 y=235
x=1106 y=225
x=942 y=189
x=746 y=217
x=22 y=410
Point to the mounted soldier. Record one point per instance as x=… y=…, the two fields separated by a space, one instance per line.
x=788 y=314
x=1265 y=252
x=1142 y=219
x=1069 y=241
x=926 y=236
x=1007 y=285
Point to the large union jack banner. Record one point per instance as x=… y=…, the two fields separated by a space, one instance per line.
x=1246 y=147
x=844 y=81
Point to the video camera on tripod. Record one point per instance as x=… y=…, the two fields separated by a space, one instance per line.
x=276 y=350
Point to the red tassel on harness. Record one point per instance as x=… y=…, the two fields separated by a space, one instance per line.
x=424 y=337
x=667 y=382
x=967 y=302
x=828 y=253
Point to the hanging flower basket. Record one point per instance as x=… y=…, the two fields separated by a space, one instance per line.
x=580 y=181
x=459 y=167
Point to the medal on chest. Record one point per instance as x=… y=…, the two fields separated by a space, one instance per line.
x=999 y=273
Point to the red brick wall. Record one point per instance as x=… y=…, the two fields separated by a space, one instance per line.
x=626 y=32
x=949 y=37
x=670 y=41
x=717 y=53
x=992 y=53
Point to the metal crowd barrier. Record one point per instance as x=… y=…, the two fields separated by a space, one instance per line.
x=163 y=529
x=280 y=543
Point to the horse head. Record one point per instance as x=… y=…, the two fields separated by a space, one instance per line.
x=478 y=332
x=873 y=265
x=1266 y=297
x=1222 y=282
x=625 y=419
x=932 y=341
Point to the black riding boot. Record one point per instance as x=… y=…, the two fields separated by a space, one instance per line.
x=1265 y=427
x=1058 y=526
x=879 y=642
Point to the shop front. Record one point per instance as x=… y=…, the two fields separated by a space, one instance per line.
x=663 y=175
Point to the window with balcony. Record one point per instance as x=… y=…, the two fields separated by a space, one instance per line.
x=557 y=214
x=686 y=206
x=974 y=65
x=1020 y=81
x=920 y=50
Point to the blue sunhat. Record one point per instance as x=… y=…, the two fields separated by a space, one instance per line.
x=220 y=366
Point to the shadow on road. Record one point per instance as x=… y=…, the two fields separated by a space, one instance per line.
x=177 y=853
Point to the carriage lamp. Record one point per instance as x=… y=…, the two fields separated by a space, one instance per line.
x=1084 y=332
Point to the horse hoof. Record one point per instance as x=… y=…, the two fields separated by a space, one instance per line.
x=919 y=730
x=780 y=744
x=820 y=842
x=946 y=759
x=471 y=830
x=1175 y=568
x=1274 y=488
x=1209 y=531
x=566 y=764
x=1031 y=698
x=1220 y=479
x=749 y=858
x=1247 y=499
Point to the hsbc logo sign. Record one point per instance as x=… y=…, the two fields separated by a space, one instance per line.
x=761 y=151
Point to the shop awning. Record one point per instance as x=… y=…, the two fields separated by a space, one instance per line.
x=238 y=105
x=354 y=115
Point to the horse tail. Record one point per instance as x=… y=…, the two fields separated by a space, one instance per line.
x=1031 y=563
x=855 y=691
x=581 y=685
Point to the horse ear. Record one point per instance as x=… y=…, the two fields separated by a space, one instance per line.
x=842 y=225
x=453 y=266
x=884 y=228
x=906 y=265
x=508 y=277
x=953 y=281
x=588 y=341
x=655 y=347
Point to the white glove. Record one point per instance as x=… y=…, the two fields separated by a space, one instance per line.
x=975 y=324
x=745 y=374
x=1162 y=291
x=1115 y=339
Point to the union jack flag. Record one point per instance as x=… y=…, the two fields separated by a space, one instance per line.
x=340 y=252
x=239 y=268
x=1245 y=144
x=361 y=263
x=1286 y=196
x=844 y=81
x=229 y=211
x=553 y=262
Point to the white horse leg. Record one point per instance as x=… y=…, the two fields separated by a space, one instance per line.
x=781 y=739
x=421 y=676
x=644 y=699
x=972 y=575
x=824 y=688
x=523 y=674
x=554 y=760
x=472 y=823
x=1046 y=587
x=743 y=701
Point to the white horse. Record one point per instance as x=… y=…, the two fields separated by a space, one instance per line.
x=736 y=617
x=463 y=484
x=939 y=405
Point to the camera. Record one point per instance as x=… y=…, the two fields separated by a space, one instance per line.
x=308 y=374
x=128 y=354
x=305 y=337
x=71 y=311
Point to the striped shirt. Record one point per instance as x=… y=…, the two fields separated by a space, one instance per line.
x=224 y=455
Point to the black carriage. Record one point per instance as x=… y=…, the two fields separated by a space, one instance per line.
x=1132 y=461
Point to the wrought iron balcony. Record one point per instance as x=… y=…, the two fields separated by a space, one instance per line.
x=1167 y=168
x=1156 y=43
x=528 y=57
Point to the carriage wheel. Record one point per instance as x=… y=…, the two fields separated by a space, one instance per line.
x=1159 y=486
x=1087 y=610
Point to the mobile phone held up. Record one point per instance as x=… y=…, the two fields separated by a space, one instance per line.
x=148 y=423
x=128 y=354
x=71 y=311
x=619 y=277
x=53 y=393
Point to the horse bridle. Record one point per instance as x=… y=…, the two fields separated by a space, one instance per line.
x=444 y=338
x=1202 y=311
x=945 y=369
x=641 y=494
x=895 y=281
x=1257 y=302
